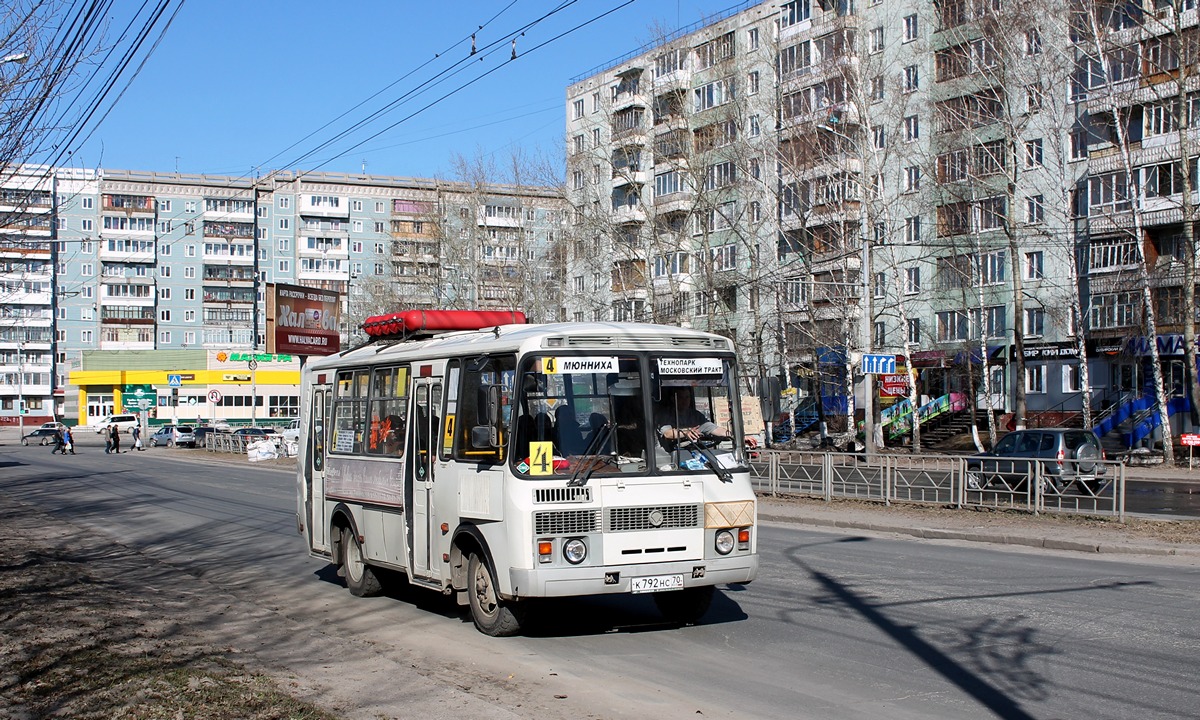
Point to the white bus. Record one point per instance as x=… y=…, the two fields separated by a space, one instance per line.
x=502 y=462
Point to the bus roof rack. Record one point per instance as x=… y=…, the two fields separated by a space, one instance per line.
x=421 y=324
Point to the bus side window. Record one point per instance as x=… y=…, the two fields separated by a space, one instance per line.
x=479 y=376
x=450 y=415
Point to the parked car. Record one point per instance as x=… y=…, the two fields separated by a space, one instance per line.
x=256 y=433
x=201 y=434
x=1067 y=455
x=53 y=426
x=41 y=436
x=173 y=436
x=291 y=431
x=124 y=423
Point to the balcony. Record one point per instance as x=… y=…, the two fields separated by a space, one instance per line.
x=229 y=230
x=229 y=253
x=680 y=201
x=218 y=210
x=326 y=206
x=128 y=204
x=27 y=201
x=118 y=314
x=229 y=273
x=234 y=295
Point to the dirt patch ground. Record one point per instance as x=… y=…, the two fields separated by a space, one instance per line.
x=77 y=641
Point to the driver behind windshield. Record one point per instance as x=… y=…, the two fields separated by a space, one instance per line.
x=677 y=420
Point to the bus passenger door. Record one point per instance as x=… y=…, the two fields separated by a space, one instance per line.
x=425 y=424
x=314 y=467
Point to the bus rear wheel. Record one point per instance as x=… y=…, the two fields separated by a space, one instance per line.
x=360 y=578
x=685 y=606
x=492 y=616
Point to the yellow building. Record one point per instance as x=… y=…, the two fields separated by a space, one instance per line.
x=185 y=385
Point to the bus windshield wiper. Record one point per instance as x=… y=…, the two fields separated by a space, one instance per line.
x=598 y=439
x=710 y=459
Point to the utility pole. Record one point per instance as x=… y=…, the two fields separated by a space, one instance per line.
x=20 y=390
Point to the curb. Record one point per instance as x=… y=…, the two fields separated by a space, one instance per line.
x=969 y=536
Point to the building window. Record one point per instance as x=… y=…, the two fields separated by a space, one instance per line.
x=86 y=203
x=284 y=244
x=912 y=230
x=1033 y=42
x=875 y=40
x=796 y=11
x=86 y=225
x=1070 y=379
x=1033 y=153
x=85 y=336
x=165 y=293
x=752 y=81
x=357 y=226
x=164 y=337
x=1033 y=265
x=912 y=178
x=1034 y=97
x=285 y=266
x=876 y=88
x=189 y=293
x=285 y=202
x=577 y=109
x=189 y=316
x=1035 y=379
x=285 y=223
x=164 y=315
x=164 y=205
x=1035 y=211
x=878 y=137
x=356 y=205
x=752 y=38
x=189 y=272
x=914 y=330
x=910 y=28
x=912 y=281
x=1035 y=322
x=912 y=79
x=912 y=128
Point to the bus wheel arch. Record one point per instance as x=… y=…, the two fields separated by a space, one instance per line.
x=467 y=539
x=474 y=568
x=347 y=552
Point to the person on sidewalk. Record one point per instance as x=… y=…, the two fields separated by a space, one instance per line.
x=68 y=441
x=116 y=439
x=137 y=437
x=108 y=440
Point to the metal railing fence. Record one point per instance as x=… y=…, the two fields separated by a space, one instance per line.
x=960 y=481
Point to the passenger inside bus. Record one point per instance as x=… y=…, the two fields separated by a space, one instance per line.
x=568 y=434
x=393 y=436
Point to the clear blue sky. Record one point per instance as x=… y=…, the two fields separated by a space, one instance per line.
x=235 y=83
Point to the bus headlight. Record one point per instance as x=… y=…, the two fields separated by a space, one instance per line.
x=724 y=542
x=575 y=551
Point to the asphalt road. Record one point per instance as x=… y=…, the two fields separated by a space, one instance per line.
x=838 y=625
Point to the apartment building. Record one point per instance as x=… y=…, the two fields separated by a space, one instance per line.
x=821 y=179
x=145 y=262
x=26 y=301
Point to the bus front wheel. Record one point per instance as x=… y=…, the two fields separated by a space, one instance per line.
x=685 y=606
x=492 y=616
x=360 y=578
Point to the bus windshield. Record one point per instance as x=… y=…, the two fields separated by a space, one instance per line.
x=593 y=413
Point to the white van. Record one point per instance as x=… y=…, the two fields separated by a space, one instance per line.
x=124 y=423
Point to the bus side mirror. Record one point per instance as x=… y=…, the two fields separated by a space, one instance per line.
x=488 y=436
x=493 y=406
x=483 y=436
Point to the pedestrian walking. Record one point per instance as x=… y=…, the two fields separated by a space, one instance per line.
x=108 y=439
x=69 y=441
x=59 y=441
x=116 y=439
x=137 y=437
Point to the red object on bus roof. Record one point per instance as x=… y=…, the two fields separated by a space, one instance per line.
x=409 y=322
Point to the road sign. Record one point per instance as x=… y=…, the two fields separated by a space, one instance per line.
x=175 y=380
x=878 y=364
x=253 y=364
x=1190 y=439
x=214 y=396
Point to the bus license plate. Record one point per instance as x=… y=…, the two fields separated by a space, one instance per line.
x=656 y=583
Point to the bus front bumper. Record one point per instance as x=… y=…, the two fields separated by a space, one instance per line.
x=559 y=581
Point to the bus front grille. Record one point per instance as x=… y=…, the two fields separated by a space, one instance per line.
x=653 y=517
x=566 y=522
x=563 y=495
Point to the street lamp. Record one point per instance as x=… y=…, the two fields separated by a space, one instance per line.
x=18 y=58
x=20 y=390
x=864 y=241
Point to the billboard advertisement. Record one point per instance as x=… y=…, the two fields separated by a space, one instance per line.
x=303 y=320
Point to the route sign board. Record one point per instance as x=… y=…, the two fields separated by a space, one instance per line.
x=878 y=364
x=214 y=396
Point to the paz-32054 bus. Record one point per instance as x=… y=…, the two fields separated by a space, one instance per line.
x=500 y=461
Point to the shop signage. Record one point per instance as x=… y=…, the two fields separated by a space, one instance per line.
x=893 y=385
x=1171 y=345
x=303 y=320
x=1047 y=351
x=1190 y=439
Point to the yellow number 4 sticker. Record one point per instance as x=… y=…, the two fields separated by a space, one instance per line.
x=550 y=366
x=541 y=458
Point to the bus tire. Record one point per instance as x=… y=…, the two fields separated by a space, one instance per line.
x=685 y=606
x=492 y=616
x=360 y=578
